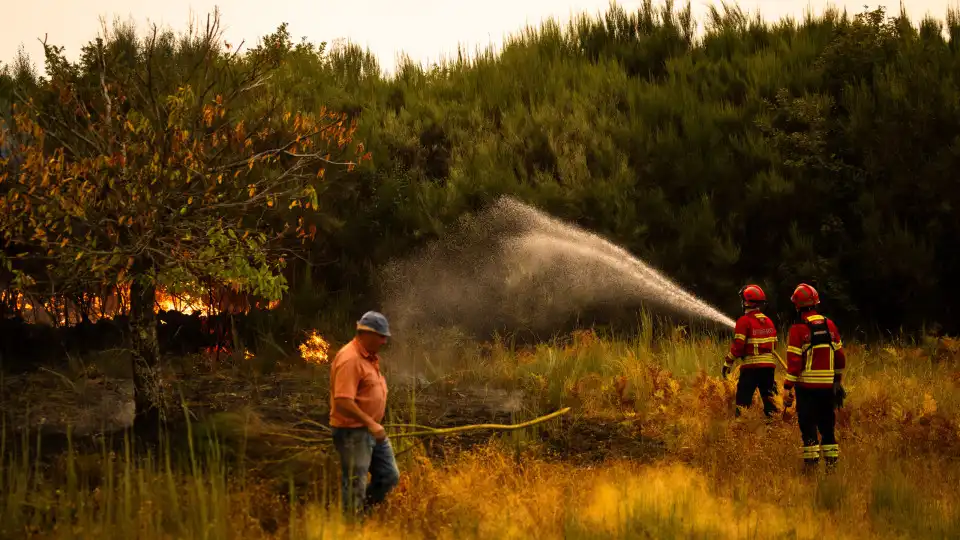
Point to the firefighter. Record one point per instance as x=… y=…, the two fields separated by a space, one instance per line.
x=754 y=340
x=815 y=364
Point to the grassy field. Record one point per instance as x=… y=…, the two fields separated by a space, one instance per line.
x=649 y=450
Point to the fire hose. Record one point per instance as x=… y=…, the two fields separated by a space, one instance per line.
x=784 y=364
x=777 y=356
x=314 y=435
x=425 y=431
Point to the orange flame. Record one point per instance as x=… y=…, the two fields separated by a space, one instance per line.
x=315 y=349
x=184 y=303
x=59 y=311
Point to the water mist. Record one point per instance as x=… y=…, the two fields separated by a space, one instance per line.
x=514 y=266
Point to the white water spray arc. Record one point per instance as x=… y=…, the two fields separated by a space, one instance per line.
x=513 y=264
x=557 y=239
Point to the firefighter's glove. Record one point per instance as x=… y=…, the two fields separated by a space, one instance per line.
x=788 y=399
x=724 y=371
x=839 y=394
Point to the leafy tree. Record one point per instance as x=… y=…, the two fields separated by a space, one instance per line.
x=815 y=149
x=162 y=162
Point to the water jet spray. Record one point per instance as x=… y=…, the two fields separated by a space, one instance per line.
x=516 y=266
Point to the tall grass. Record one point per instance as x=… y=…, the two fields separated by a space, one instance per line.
x=713 y=477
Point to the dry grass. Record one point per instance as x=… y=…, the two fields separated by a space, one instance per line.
x=714 y=478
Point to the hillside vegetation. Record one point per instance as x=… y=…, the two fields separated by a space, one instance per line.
x=820 y=150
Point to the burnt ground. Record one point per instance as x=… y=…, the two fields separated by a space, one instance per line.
x=94 y=403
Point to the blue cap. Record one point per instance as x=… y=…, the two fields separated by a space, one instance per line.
x=374 y=322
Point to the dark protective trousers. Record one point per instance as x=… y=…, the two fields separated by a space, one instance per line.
x=817 y=418
x=753 y=379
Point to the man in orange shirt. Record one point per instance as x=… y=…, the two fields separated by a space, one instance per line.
x=358 y=398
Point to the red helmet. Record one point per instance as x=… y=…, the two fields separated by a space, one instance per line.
x=804 y=296
x=752 y=296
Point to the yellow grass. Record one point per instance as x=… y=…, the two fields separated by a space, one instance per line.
x=714 y=478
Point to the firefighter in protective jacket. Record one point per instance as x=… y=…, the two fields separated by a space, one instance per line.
x=815 y=364
x=754 y=340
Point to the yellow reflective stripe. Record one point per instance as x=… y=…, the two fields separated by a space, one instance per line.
x=757 y=357
x=794 y=350
x=831 y=450
x=762 y=340
x=739 y=336
x=815 y=318
x=811 y=451
x=791 y=378
x=824 y=380
x=817 y=375
x=838 y=344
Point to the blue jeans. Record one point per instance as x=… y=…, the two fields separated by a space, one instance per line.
x=360 y=453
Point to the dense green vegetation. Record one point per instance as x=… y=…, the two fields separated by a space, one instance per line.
x=818 y=150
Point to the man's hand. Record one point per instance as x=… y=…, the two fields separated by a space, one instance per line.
x=377 y=431
x=724 y=371
x=349 y=408
x=839 y=394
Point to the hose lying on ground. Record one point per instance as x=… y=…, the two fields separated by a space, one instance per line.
x=307 y=437
x=424 y=431
x=500 y=427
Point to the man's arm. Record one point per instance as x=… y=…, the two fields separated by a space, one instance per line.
x=349 y=408
x=739 y=342
x=839 y=357
x=794 y=355
x=346 y=382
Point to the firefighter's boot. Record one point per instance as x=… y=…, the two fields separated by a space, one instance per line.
x=811 y=458
x=831 y=454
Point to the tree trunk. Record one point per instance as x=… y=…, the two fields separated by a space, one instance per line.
x=150 y=412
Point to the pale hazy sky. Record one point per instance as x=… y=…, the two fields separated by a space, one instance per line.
x=424 y=29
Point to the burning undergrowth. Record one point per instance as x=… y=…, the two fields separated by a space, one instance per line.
x=95 y=394
x=315 y=349
x=114 y=301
